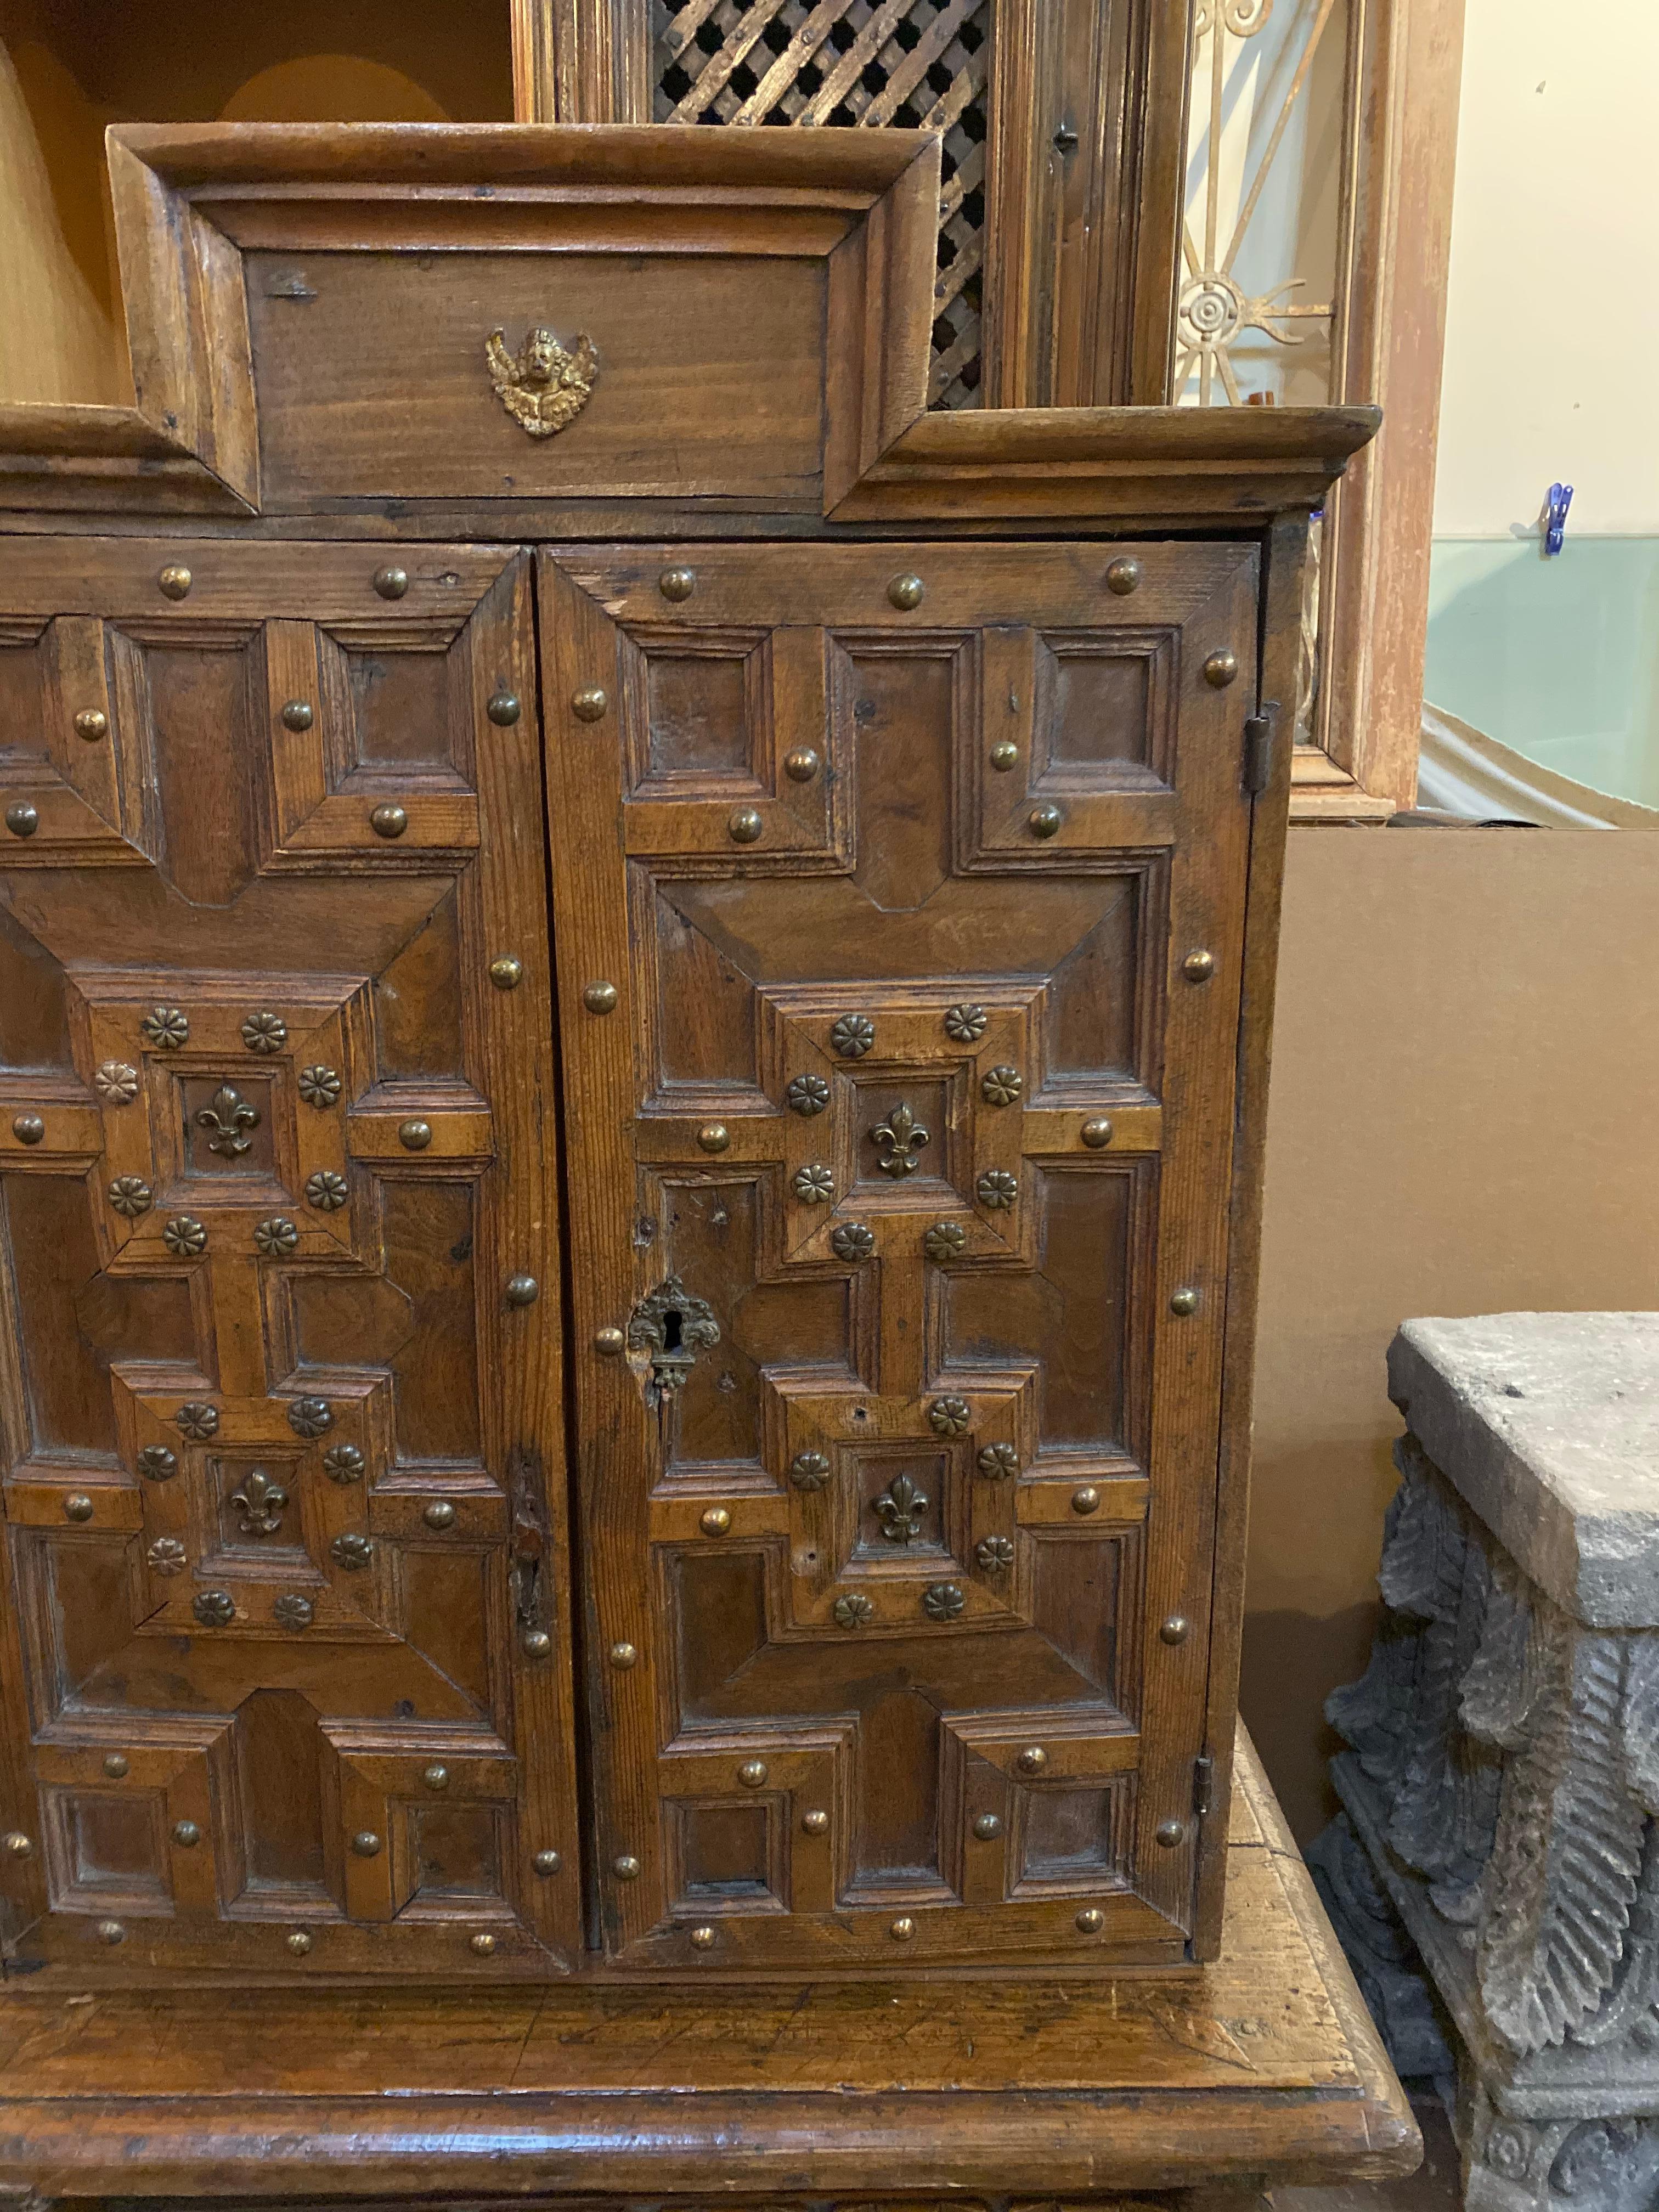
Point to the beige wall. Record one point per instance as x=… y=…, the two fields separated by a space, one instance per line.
x=1464 y=1118
x=1551 y=310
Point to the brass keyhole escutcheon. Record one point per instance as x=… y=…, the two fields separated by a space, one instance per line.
x=671 y=1326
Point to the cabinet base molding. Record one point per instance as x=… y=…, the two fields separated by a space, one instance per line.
x=1211 y=2084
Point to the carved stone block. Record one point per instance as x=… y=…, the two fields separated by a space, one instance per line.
x=1548 y=1425
x=1504 y=1773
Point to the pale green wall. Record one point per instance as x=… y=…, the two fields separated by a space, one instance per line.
x=1559 y=658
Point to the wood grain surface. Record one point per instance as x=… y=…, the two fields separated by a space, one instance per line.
x=284 y=1456
x=306 y=303
x=1262 y=2064
x=307 y=306
x=900 y=1900
x=1014 y=1773
x=1188 y=465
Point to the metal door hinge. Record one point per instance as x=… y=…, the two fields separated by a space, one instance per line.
x=1203 y=1786
x=1259 y=732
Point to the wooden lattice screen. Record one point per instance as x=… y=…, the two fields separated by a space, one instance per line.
x=918 y=64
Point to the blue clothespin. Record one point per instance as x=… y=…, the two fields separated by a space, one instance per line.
x=1557 y=500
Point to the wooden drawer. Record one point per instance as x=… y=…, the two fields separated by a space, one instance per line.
x=314 y=309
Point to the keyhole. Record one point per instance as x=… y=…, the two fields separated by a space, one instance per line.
x=676 y=1327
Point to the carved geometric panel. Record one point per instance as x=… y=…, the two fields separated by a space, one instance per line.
x=904 y=1119
x=281 y=1456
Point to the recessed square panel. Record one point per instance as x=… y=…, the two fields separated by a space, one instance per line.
x=903 y=1501
x=458 y=1852
x=724 y=1854
x=696 y=708
x=255 y=1511
x=227 y=1125
x=698 y=713
x=400 y=708
x=902 y=1137
x=1094 y=724
x=22 y=698
x=107 y=1847
x=1073 y=1840
x=1079 y=760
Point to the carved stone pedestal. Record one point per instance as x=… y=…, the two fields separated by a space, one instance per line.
x=1503 y=1778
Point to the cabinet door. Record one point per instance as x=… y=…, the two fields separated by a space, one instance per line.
x=899 y=903
x=278 y=1401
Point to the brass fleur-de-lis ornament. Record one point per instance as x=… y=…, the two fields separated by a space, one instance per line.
x=259 y=1504
x=901 y=1507
x=901 y=1138
x=227 y=1119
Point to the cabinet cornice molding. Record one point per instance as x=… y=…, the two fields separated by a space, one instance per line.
x=303 y=306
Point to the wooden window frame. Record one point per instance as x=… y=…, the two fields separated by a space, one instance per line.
x=1388 y=340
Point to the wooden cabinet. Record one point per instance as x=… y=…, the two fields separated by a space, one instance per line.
x=898 y=893
x=898 y=896
x=280 y=1399
x=894 y=1049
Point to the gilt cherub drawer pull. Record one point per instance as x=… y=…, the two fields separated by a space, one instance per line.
x=542 y=386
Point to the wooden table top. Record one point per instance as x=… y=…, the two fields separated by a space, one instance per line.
x=1262 y=2066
